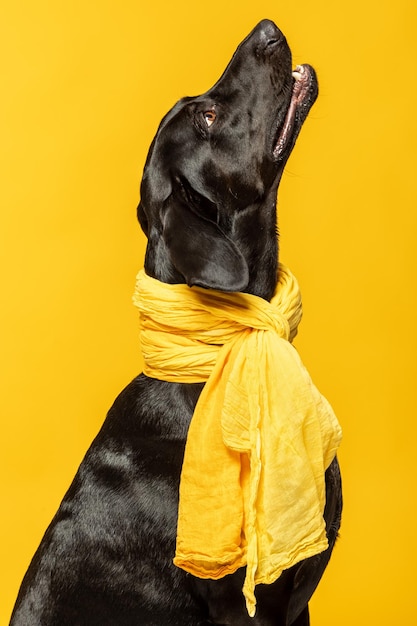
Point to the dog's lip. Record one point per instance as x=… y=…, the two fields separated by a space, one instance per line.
x=303 y=86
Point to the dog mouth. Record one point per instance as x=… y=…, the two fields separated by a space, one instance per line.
x=304 y=93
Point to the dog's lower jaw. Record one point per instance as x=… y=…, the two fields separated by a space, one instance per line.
x=303 y=96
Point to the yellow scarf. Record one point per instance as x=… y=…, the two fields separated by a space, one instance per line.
x=252 y=486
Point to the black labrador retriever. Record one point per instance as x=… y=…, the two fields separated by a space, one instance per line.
x=208 y=208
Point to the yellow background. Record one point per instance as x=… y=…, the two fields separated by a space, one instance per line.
x=83 y=87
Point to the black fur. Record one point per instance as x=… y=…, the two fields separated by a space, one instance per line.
x=208 y=207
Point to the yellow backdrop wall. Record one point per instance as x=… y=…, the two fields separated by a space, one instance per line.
x=83 y=87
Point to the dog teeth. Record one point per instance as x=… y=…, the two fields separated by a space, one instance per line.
x=298 y=72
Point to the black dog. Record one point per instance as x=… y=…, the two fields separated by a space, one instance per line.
x=208 y=208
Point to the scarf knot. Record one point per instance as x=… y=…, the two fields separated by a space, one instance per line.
x=252 y=489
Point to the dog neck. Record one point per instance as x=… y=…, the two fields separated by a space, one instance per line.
x=255 y=233
x=252 y=230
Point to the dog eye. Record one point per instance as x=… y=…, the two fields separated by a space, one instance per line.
x=209 y=117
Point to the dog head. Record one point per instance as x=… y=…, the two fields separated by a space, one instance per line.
x=208 y=193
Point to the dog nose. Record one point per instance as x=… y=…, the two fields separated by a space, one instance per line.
x=269 y=34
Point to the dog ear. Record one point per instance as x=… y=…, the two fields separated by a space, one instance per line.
x=200 y=251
